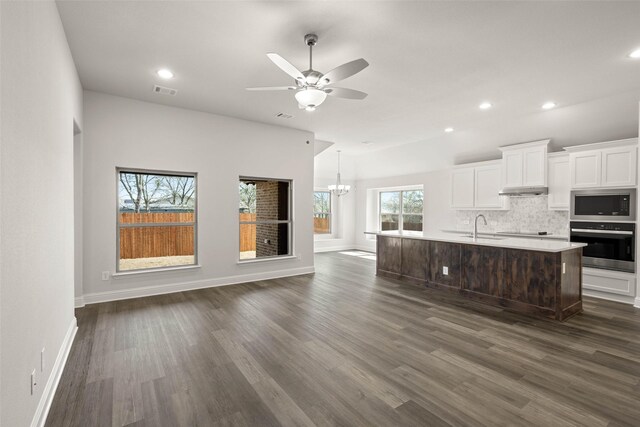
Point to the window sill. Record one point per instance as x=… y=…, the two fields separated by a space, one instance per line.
x=258 y=260
x=154 y=270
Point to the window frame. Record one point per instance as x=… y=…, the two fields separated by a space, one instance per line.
x=291 y=252
x=401 y=213
x=119 y=225
x=330 y=213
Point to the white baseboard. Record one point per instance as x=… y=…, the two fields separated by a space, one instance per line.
x=79 y=302
x=146 y=291
x=610 y=297
x=636 y=303
x=366 y=248
x=50 y=388
x=333 y=248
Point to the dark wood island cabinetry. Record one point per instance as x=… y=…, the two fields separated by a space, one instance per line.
x=544 y=279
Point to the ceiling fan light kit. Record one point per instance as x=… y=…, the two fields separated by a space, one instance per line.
x=311 y=90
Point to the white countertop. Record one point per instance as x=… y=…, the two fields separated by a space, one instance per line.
x=512 y=234
x=498 y=242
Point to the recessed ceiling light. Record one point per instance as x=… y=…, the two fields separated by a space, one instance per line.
x=165 y=74
x=485 y=106
x=548 y=105
x=635 y=54
x=448 y=130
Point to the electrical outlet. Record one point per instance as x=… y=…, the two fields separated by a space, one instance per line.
x=105 y=275
x=33 y=381
x=42 y=360
x=445 y=270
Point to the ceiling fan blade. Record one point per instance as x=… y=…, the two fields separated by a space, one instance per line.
x=286 y=66
x=343 y=71
x=345 y=93
x=272 y=88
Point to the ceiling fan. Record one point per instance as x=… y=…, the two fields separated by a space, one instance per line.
x=311 y=85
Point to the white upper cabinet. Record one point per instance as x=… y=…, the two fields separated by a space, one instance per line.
x=462 y=182
x=619 y=166
x=535 y=166
x=512 y=165
x=487 y=186
x=476 y=186
x=525 y=165
x=612 y=164
x=585 y=169
x=558 y=181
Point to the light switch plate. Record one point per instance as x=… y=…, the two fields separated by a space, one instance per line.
x=445 y=270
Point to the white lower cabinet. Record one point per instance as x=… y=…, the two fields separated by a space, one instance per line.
x=609 y=282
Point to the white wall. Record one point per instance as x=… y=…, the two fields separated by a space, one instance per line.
x=437 y=214
x=120 y=132
x=41 y=97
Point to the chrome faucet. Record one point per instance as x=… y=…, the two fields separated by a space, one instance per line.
x=475 y=225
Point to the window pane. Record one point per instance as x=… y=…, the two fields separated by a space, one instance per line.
x=321 y=223
x=268 y=199
x=390 y=202
x=412 y=222
x=264 y=240
x=247 y=192
x=247 y=240
x=144 y=193
x=264 y=202
x=412 y=202
x=389 y=222
x=322 y=202
x=154 y=247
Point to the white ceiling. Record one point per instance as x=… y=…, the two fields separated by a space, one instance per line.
x=432 y=63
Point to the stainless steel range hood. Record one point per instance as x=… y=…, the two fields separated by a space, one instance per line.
x=524 y=191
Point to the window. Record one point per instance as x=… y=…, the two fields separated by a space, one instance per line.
x=401 y=210
x=265 y=218
x=156 y=219
x=322 y=212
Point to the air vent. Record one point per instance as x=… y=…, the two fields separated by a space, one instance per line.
x=284 y=116
x=164 y=90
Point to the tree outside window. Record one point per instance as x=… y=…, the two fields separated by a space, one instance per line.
x=321 y=212
x=156 y=225
x=401 y=210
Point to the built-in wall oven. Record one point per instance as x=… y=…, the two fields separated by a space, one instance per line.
x=610 y=245
x=603 y=205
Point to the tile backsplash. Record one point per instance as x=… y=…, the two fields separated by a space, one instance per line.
x=526 y=214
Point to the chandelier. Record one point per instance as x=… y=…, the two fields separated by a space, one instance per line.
x=339 y=189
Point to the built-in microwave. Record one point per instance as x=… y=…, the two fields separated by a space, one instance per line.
x=603 y=205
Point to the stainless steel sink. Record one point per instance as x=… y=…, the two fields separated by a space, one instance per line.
x=468 y=236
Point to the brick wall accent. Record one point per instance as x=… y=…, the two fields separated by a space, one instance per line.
x=266 y=209
x=272 y=203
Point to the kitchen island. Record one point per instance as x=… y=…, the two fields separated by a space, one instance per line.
x=538 y=277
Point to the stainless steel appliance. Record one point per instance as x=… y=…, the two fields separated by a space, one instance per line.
x=604 y=205
x=610 y=245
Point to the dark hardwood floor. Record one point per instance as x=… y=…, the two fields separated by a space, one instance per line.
x=343 y=347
